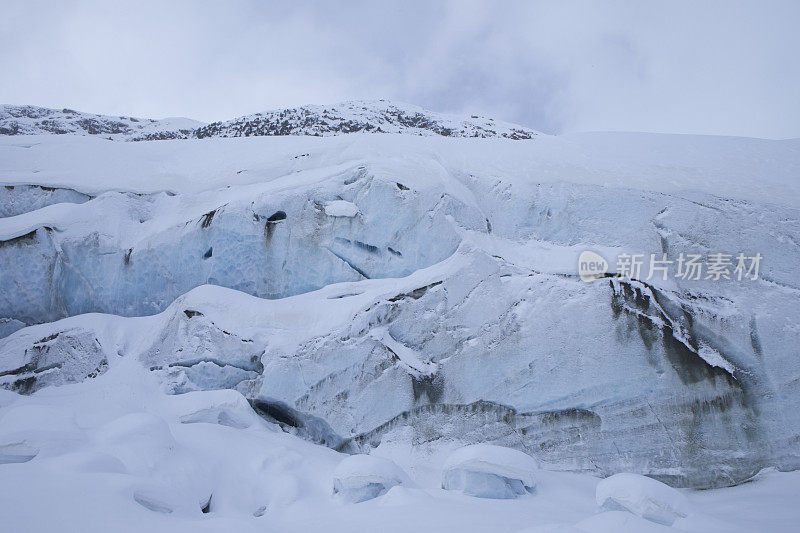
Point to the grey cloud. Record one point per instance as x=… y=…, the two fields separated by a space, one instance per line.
x=686 y=67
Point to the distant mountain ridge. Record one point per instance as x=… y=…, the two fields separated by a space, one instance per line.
x=32 y=120
x=381 y=116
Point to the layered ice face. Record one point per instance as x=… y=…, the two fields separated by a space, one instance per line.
x=377 y=290
x=146 y=250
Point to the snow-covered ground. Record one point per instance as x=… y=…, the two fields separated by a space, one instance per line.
x=402 y=296
x=117 y=453
x=756 y=170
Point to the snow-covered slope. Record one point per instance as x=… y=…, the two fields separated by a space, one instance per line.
x=116 y=451
x=32 y=120
x=374 y=116
x=379 y=291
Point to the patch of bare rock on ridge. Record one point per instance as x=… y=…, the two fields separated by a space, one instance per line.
x=32 y=120
x=379 y=116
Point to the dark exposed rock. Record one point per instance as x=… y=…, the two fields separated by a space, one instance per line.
x=32 y=120
x=277 y=216
x=207 y=218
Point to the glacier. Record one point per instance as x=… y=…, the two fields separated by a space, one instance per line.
x=373 y=291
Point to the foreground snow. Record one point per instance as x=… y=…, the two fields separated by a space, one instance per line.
x=115 y=453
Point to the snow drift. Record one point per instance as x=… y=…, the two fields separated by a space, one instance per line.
x=488 y=471
x=358 y=478
x=643 y=497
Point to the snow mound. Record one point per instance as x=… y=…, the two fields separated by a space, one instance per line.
x=142 y=441
x=642 y=496
x=92 y=462
x=341 y=208
x=489 y=471
x=226 y=407
x=363 y=477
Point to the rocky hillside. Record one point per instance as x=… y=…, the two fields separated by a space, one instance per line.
x=381 y=116
x=32 y=120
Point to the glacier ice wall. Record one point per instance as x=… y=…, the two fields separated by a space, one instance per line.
x=574 y=373
x=447 y=309
x=268 y=245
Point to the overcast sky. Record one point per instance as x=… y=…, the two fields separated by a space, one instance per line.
x=726 y=67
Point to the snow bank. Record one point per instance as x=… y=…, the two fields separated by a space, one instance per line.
x=642 y=496
x=116 y=451
x=362 y=477
x=489 y=471
x=747 y=169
